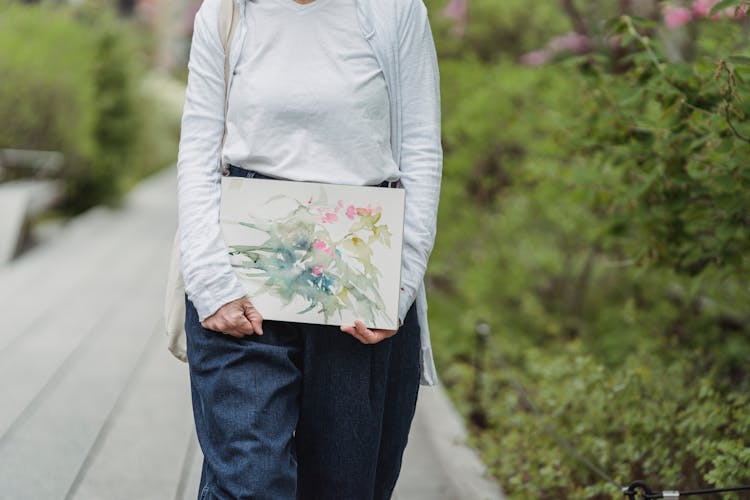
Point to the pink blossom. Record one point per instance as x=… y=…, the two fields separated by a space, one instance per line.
x=368 y=210
x=323 y=247
x=737 y=13
x=317 y=270
x=701 y=8
x=329 y=217
x=350 y=211
x=458 y=11
x=675 y=17
x=571 y=42
x=537 y=57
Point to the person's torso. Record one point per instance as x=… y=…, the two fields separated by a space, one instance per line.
x=308 y=99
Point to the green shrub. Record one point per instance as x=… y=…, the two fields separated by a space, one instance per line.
x=551 y=199
x=46 y=91
x=499 y=30
x=118 y=120
x=76 y=86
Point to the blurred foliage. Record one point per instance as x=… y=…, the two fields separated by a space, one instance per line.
x=595 y=213
x=496 y=32
x=46 y=90
x=75 y=86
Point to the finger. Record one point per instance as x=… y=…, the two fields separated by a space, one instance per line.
x=385 y=333
x=374 y=336
x=255 y=318
x=229 y=321
x=362 y=329
x=234 y=334
x=355 y=333
x=221 y=327
x=214 y=325
x=240 y=324
x=233 y=322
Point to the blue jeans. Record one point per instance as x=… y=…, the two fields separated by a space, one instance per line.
x=303 y=411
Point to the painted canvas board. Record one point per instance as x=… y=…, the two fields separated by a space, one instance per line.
x=316 y=253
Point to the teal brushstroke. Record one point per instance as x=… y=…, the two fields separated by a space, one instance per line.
x=333 y=279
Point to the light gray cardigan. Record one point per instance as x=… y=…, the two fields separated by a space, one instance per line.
x=399 y=33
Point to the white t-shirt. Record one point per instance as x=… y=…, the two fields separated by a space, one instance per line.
x=309 y=100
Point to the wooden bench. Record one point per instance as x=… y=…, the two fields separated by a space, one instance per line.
x=25 y=197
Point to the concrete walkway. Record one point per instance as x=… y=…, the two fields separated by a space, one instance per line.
x=93 y=405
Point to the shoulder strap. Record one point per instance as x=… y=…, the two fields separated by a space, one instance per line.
x=228 y=17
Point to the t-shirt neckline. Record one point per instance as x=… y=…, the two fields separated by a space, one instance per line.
x=294 y=5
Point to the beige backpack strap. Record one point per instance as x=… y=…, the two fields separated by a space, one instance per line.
x=228 y=17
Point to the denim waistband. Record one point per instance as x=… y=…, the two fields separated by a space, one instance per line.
x=235 y=171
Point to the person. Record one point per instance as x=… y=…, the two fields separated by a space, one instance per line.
x=334 y=91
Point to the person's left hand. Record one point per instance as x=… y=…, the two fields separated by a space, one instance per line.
x=365 y=335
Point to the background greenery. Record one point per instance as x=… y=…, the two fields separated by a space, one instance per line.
x=72 y=82
x=595 y=213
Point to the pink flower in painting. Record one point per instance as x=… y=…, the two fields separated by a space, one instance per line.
x=323 y=247
x=368 y=210
x=329 y=217
x=350 y=211
x=676 y=17
x=317 y=270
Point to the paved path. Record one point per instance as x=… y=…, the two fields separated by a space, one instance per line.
x=93 y=405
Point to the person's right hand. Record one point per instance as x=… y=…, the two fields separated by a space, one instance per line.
x=237 y=318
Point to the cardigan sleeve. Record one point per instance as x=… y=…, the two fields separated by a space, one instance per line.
x=421 y=156
x=210 y=281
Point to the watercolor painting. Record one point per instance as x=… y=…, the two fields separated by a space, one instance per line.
x=316 y=253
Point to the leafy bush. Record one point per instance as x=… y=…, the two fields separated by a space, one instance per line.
x=47 y=91
x=499 y=31
x=622 y=308
x=75 y=86
x=118 y=119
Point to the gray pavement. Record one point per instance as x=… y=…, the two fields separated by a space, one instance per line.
x=93 y=405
